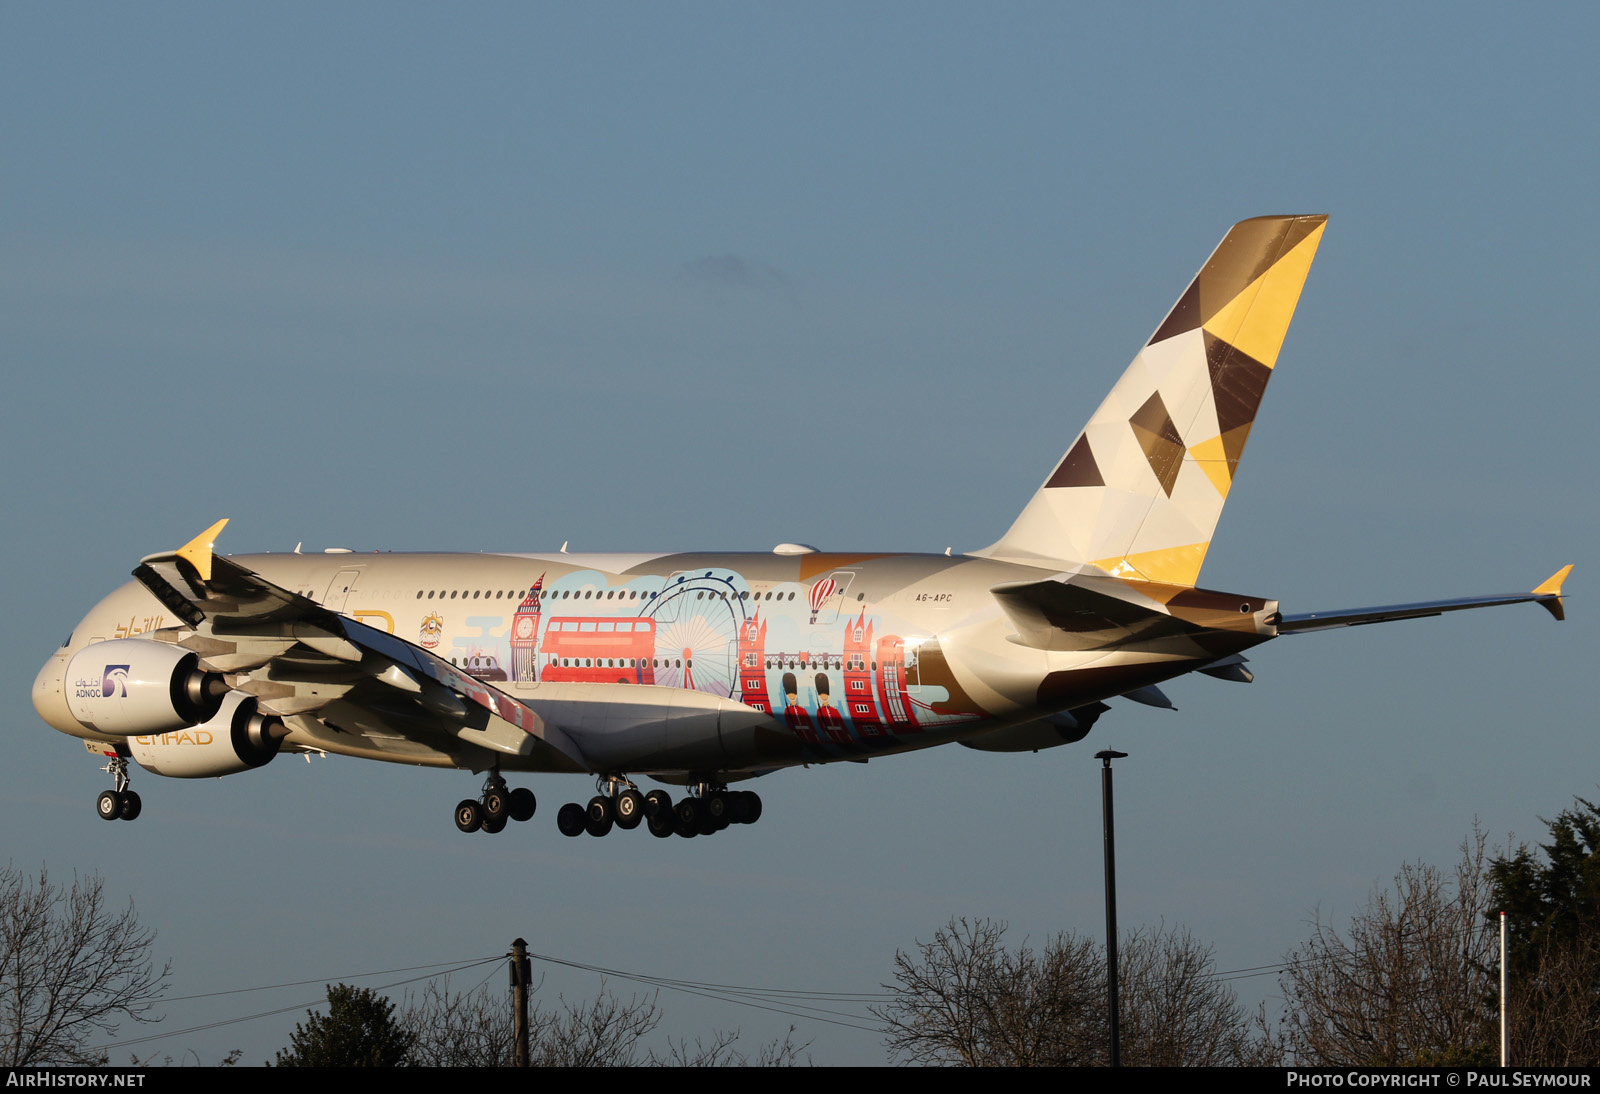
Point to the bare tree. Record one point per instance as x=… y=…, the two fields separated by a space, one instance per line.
x=1175 y=1011
x=719 y=1051
x=459 y=1029
x=601 y=1032
x=453 y=1029
x=964 y=998
x=1410 y=981
x=473 y=1029
x=71 y=968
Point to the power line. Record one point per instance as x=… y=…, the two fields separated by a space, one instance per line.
x=284 y=1010
x=324 y=980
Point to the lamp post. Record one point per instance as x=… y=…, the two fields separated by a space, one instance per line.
x=1105 y=757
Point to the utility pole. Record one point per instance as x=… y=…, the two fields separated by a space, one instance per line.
x=521 y=973
x=1112 y=1002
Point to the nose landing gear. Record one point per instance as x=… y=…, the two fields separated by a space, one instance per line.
x=121 y=803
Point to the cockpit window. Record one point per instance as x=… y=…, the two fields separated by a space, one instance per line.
x=68 y=642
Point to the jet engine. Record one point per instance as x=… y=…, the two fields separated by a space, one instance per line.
x=129 y=686
x=238 y=738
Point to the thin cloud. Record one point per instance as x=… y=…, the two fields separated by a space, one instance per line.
x=734 y=272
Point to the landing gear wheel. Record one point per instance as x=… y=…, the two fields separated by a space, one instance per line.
x=523 y=804
x=752 y=806
x=108 y=805
x=657 y=803
x=719 y=806
x=469 y=816
x=492 y=825
x=629 y=808
x=496 y=804
x=662 y=825
x=132 y=805
x=599 y=817
x=686 y=818
x=570 y=818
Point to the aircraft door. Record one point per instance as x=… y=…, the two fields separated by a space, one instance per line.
x=339 y=589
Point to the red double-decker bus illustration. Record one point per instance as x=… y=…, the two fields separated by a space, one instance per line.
x=598 y=650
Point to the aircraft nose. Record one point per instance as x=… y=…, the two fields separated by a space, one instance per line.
x=50 y=700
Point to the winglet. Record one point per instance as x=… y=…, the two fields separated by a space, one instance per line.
x=1551 y=589
x=197 y=552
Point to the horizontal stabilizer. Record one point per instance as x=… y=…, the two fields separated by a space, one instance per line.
x=1546 y=595
x=1058 y=615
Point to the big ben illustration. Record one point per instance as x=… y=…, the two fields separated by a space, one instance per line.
x=524 y=634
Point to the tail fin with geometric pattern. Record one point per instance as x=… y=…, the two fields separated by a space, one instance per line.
x=1138 y=494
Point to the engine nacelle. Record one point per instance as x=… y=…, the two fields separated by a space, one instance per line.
x=132 y=685
x=237 y=739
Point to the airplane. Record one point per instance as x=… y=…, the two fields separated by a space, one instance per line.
x=703 y=670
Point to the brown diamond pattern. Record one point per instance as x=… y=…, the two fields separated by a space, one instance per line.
x=1159 y=439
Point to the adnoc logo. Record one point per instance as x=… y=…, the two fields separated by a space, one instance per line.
x=115 y=682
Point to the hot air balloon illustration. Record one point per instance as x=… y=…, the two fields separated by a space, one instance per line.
x=820 y=592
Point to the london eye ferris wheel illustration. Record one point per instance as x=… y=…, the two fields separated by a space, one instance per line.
x=697 y=616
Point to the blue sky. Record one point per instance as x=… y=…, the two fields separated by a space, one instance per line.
x=651 y=277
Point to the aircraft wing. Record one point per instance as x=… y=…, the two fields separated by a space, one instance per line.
x=322 y=672
x=1546 y=595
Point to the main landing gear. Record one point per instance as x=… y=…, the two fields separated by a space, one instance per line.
x=497 y=805
x=121 y=803
x=708 y=809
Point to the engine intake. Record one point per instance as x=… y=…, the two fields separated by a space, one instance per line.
x=237 y=739
x=129 y=686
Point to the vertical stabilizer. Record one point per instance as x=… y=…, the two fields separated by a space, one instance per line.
x=1139 y=492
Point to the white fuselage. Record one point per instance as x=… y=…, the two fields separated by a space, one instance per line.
x=689 y=662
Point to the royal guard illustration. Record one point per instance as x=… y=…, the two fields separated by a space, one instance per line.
x=796 y=715
x=525 y=635
x=828 y=716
